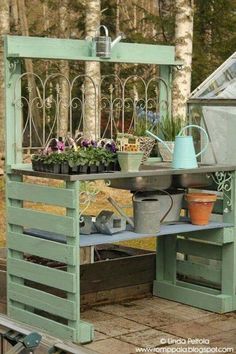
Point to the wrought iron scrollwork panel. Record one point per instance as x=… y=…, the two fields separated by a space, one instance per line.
x=223 y=181
x=55 y=105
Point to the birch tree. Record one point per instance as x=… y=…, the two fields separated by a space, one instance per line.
x=33 y=94
x=4 y=29
x=184 y=44
x=64 y=69
x=92 y=69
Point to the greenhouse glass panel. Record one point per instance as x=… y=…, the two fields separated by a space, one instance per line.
x=221 y=84
x=213 y=105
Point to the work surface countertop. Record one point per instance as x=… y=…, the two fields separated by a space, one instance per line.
x=159 y=169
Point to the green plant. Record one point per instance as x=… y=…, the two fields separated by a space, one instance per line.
x=169 y=128
x=142 y=125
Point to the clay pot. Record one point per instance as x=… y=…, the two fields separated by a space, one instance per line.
x=200 y=206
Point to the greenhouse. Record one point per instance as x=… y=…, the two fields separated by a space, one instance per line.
x=213 y=103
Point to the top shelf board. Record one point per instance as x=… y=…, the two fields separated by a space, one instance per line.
x=73 y=49
x=162 y=169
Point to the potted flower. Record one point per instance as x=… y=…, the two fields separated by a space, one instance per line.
x=47 y=162
x=168 y=129
x=129 y=154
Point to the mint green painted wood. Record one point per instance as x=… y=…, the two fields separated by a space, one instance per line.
x=218 y=236
x=13 y=118
x=160 y=258
x=41 y=194
x=13 y=228
x=210 y=302
x=170 y=258
x=30 y=218
x=86 y=332
x=229 y=250
x=75 y=269
x=200 y=249
x=196 y=287
x=43 y=275
x=199 y=271
x=71 y=49
x=42 y=248
x=42 y=300
x=50 y=326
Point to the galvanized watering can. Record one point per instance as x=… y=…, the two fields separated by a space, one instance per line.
x=184 y=155
x=102 y=45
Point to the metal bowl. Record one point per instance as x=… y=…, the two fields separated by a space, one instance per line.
x=149 y=183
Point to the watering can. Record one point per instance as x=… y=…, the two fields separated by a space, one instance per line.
x=184 y=155
x=102 y=45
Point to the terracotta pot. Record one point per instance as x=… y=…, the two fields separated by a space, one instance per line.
x=200 y=206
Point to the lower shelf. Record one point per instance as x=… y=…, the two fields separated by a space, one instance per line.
x=98 y=239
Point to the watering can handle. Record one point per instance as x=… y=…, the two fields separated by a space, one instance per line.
x=200 y=128
x=159 y=139
x=98 y=30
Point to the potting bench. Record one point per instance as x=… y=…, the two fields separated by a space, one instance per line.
x=50 y=298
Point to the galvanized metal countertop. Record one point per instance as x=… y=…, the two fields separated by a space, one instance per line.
x=159 y=169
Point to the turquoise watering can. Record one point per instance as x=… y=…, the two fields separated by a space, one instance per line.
x=184 y=155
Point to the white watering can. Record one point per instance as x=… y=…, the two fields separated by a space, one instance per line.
x=102 y=45
x=184 y=155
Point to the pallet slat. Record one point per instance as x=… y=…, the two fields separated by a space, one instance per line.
x=216 y=303
x=199 y=271
x=42 y=248
x=53 y=327
x=41 y=194
x=30 y=218
x=199 y=249
x=41 y=274
x=41 y=300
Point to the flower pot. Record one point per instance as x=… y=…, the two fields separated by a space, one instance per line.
x=164 y=152
x=130 y=160
x=101 y=168
x=65 y=168
x=146 y=145
x=200 y=206
x=36 y=165
x=56 y=168
x=83 y=169
x=73 y=170
x=92 y=169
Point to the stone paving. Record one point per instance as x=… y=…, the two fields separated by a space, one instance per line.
x=155 y=323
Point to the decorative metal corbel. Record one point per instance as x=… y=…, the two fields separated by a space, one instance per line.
x=223 y=181
x=13 y=62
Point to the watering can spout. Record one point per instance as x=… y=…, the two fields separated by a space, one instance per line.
x=118 y=39
x=158 y=139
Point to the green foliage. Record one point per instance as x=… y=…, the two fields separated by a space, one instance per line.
x=83 y=156
x=214 y=36
x=169 y=128
x=142 y=125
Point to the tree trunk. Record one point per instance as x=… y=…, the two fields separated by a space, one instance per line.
x=92 y=69
x=65 y=71
x=183 y=42
x=35 y=114
x=4 y=29
x=14 y=17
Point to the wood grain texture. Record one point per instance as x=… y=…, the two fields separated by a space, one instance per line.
x=41 y=274
x=41 y=194
x=64 y=225
x=71 y=49
x=42 y=300
x=41 y=248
